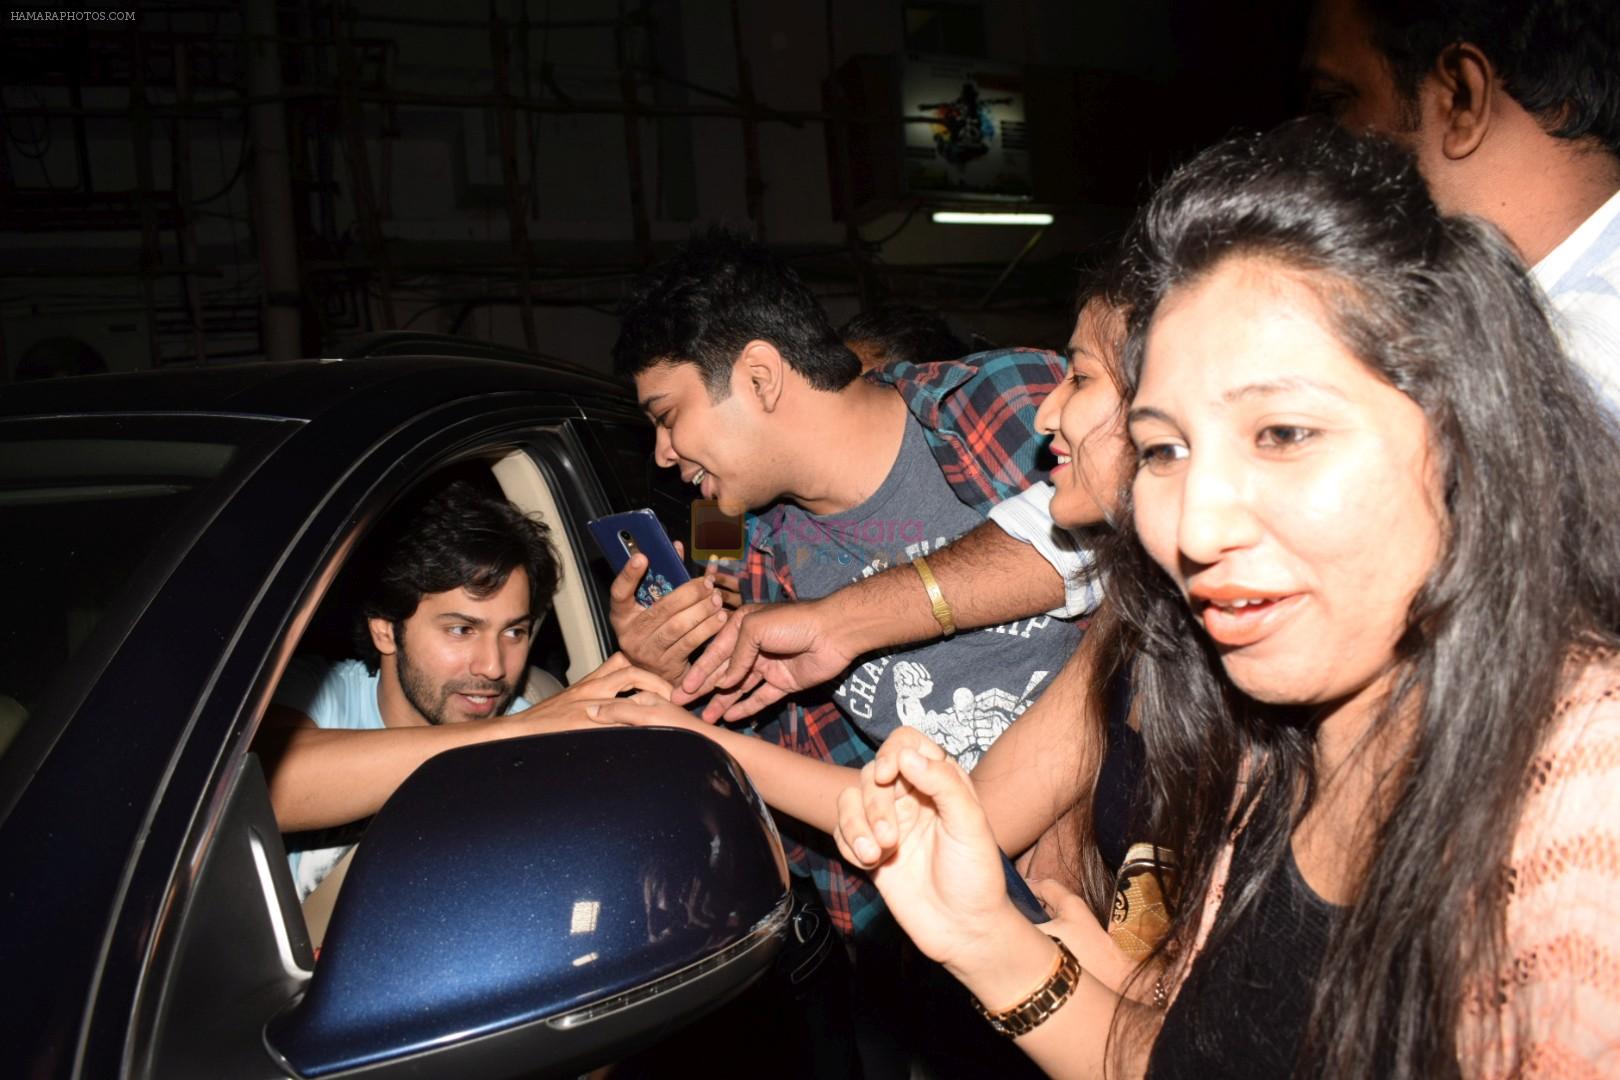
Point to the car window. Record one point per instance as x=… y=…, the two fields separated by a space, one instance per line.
x=79 y=515
x=566 y=644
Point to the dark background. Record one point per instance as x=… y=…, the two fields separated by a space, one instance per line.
x=215 y=182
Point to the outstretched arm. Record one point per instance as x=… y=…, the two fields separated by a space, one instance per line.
x=801 y=787
x=323 y=777
x=987 y=577
x=1032 y=775
x=941 y=877
x=1047 y=761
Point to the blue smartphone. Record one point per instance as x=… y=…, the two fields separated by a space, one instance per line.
x=638 y=531
x=1022 y=896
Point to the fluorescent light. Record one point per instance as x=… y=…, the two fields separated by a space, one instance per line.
x=989 y=217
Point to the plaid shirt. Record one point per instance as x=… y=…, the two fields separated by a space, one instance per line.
x=978 y=415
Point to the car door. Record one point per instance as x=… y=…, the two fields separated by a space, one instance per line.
x=199 y=940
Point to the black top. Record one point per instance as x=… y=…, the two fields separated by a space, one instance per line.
x=1243 y=1009
x=1113 y=804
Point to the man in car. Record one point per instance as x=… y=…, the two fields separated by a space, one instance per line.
x=1512 y=109
x=760 y=405
x=458 y=582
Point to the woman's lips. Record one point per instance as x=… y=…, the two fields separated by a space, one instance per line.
x=1063 y=462
x=1238 y=622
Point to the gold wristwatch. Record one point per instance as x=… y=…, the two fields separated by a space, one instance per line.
x=1046 y=999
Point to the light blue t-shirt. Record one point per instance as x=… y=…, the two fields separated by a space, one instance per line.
x=334 y=695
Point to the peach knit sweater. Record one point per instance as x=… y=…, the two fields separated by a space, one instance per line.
x=1553 y=1010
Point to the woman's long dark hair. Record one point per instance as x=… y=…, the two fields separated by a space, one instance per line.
x=1101 y=283
x=1443 y=310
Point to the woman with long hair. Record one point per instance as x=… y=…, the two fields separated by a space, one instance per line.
x=1371 y=588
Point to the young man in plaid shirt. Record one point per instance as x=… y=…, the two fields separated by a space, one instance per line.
x=758 y=403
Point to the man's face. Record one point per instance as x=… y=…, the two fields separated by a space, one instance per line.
x=1348 y=79
x=718 y=446
x=459 y=657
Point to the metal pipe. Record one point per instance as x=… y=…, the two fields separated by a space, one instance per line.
x=1028 y=247
x=151 y=253
x=759 y=113
x=186 y=234
x=640 y=225
x=272 y=184
x=476 y=24
x=753 y=179
x=516 y=215
x=360 y=166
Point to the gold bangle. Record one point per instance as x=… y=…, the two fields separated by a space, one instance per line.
x=942 y=609
x=1042 y=1002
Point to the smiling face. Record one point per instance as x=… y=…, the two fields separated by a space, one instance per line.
x=718 y=446
x=1086 y=420
x=459 y=657
x=1287 y=490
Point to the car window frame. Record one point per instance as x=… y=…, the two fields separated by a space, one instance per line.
x=255 y=437
x=548 y=437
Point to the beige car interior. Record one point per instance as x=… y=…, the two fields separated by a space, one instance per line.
x=525 y=487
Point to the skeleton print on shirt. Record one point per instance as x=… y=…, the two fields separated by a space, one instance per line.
x=974 y=721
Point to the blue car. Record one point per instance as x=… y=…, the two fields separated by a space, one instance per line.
x=536 y=907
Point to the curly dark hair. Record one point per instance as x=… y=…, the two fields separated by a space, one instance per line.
x=720 y=291
x=1557 y=58
x=451 y=537
x=1443 y=310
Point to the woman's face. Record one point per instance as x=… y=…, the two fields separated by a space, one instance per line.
x=1286 y=489
x=1087 y=424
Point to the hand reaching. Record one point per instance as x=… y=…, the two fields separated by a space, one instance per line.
x=569 y=708
x=766 y=653
x=916 y=823
x=644 y=710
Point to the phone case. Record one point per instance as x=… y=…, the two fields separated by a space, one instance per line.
x=1022 y=896
x=620 y=535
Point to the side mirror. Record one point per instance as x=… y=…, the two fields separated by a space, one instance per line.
x=542 y=905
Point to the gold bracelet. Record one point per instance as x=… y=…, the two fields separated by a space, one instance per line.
x=1045 y=1000
x=942 y=609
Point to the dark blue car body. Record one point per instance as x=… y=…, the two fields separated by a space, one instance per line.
x=139 y=941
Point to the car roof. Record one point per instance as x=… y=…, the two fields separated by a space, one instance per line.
x=307 y=389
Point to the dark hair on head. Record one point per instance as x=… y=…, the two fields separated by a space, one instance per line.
x=1560 y=59
x=1442 y=309
x=1104 y=281
x=905 y=332
x=451 y=537
x=720 y=291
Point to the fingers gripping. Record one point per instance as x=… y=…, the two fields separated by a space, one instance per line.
x=854 y=834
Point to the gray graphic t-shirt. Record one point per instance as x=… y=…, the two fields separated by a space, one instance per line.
x=962 y=692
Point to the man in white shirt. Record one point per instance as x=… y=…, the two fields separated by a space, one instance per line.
x=1512 y=109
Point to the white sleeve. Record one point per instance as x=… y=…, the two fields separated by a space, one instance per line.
x=1027 y=517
